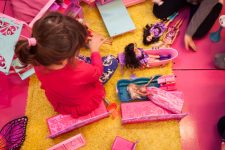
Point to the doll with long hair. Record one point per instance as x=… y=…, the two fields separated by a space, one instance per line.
x=169 y=36
x=131 y=60
x=171 y=33
x=138 y=91
x=137 y=57
x=153 y=32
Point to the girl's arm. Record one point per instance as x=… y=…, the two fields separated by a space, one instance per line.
x=96 y=61
x=95 y=42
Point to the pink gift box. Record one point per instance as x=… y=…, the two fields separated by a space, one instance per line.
x=146 y=111
x=166 y=79
x=72 y=143
x=123 y=144
x=64 y=123
x=168 y=87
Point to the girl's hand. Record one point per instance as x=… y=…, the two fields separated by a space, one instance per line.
x=188 y=41
x=95 y=41
x=221 y=1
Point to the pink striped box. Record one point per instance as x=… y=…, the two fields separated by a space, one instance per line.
x=72 y=143
x=64 y=123
x=146 y=111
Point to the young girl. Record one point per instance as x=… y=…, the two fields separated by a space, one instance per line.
x=71 y=85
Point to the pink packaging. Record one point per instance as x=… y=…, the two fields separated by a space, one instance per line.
x=72 y=143
x=146 y=111
x=123 y=144
x=166 y=100
x=168 y=87
x=64 y=123
x=129 y=3
x=166 y=79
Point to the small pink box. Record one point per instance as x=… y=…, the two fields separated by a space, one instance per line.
x=166 y=79
x=146 y=111
x=168 y=87
x=123 y=144
x=64 y=123
x=72 y=143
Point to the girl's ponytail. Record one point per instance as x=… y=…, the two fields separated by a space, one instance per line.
x=25 y=51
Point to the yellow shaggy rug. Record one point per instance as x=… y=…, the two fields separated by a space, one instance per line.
x=163 y=135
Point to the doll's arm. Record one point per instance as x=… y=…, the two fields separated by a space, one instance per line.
x=147 y=84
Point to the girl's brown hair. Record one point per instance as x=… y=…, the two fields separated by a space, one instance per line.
x=58 y=38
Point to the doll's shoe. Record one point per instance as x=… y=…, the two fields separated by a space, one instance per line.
x=219 y=60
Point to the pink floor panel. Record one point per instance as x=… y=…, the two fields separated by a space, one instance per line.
x=204 y=90
x=204 y=93
x=203 y=58
x=13 y=95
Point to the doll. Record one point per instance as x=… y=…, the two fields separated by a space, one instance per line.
x=169 y=36
x=172 y=33
x=137 y=57
x=138 y=91
x=153 y=32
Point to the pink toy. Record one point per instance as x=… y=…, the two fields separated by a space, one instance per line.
x=165 y=99
x=168 y=87
x=163 y=51
x=166 y=79
x=146 y=111
x=167 y=82
x=72 y=143
x=74 y=10
x=129 y=3
x=71 y=8
x=64 y=123
x=89 y=2
x=92 y=2
x=123 y=144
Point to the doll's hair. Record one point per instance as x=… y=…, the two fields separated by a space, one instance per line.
x=131 y=61
x=146 y=33
x=132 y=90
x=58 y=38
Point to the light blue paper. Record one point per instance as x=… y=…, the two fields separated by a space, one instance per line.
x=9 y=35
x=116 y=18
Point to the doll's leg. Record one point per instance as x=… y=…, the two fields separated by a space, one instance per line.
x=110 y=63
x=209 y=21
x=168 y=8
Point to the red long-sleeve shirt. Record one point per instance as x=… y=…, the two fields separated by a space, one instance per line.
x=74 y=89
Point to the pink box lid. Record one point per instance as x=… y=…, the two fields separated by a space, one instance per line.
x=146 y=111
x=123 y=144
x=72 y=143
x=64 y=123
